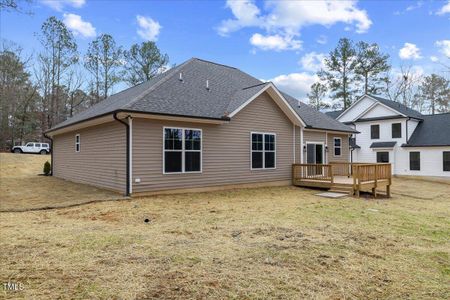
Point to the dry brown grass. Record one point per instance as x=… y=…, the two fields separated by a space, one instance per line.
x=21 y=188
x=282 y=242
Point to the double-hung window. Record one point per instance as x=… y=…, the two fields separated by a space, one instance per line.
x=375 y=132
x=77 y=143
x=263 y=150
x=396 y=130
x=337 y=146
x=414 y=161
x=446 y=161
x=182 y=150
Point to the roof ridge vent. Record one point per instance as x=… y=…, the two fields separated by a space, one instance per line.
x=181 y=77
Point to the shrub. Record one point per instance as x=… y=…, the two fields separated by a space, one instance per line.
x=47 y=168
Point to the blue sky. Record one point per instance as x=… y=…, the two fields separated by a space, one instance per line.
x=282 y=41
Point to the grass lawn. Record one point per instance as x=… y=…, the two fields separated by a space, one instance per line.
x=281 y=242
x=21 y=188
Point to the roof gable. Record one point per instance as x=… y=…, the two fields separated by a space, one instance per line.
x=349 y=114
x=277 y=97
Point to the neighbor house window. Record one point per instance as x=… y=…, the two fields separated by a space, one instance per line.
x=396 y=130
x=182 y=150
x=77 y=143
x=374 y=132
x=446 y=160
x=382 y=157
x=263 y=151
x=337 y=146
x=414 y=161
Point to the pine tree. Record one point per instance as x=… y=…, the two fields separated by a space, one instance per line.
x=339 y=71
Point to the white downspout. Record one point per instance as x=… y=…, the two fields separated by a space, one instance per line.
x=301 y=145
x=293 y=139
x=130 y=157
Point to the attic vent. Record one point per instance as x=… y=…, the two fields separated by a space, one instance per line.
x=207 y=84
x=181 y=77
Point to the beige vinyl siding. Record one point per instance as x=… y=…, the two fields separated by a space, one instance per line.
x=344 y=149
x=101 y=160
x=312 y=136
x=226 y=150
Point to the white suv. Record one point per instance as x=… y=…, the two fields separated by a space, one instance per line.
x=42 y=148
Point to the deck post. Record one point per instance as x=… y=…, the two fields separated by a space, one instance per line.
x=388 y=190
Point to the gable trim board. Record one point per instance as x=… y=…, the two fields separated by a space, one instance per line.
x=373 y=106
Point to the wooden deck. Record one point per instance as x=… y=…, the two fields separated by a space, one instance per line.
x=344 y=177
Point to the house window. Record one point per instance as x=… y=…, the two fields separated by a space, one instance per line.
x=374 y=132
x=414 y=161
x=396 y=130
x=446 y=160
x=182 y=150
x=263 y=151
x=77 y=143
x=337 y=146
x=382 y=157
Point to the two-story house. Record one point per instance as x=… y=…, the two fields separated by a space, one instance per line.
x=415 y=144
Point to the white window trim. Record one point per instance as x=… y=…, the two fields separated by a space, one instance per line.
x=263 y=152
x=183 y=151
x=334 y=146
x=77 y=143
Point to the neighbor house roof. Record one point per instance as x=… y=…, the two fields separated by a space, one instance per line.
x=334 y=113
x=170 y=94
x=433 y=130
x=401 y=108
x=383 y=144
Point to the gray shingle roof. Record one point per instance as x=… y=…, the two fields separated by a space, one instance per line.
x=399 y=107
x=383 y=144
x=334 y=114
x=166 y=94
x=434 y=130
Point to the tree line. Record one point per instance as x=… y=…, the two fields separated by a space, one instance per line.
x=39 y=92
x=351 y=70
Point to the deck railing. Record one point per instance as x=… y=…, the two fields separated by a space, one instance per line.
x=322 y=175
x=314 y=172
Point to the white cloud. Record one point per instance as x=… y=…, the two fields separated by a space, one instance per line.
x=409 y=51
x=312 y=61
x=287 y=18
x=295 y=84
x=78 y=26
x=246 y=14
x=148 y=28
x=444 y=9
x=444 y=46
x=274 y=42
x=60 y=4
x=418 y=4
x=434 y=58
x=322 y=39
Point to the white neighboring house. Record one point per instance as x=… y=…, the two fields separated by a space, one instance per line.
x=415 y=144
